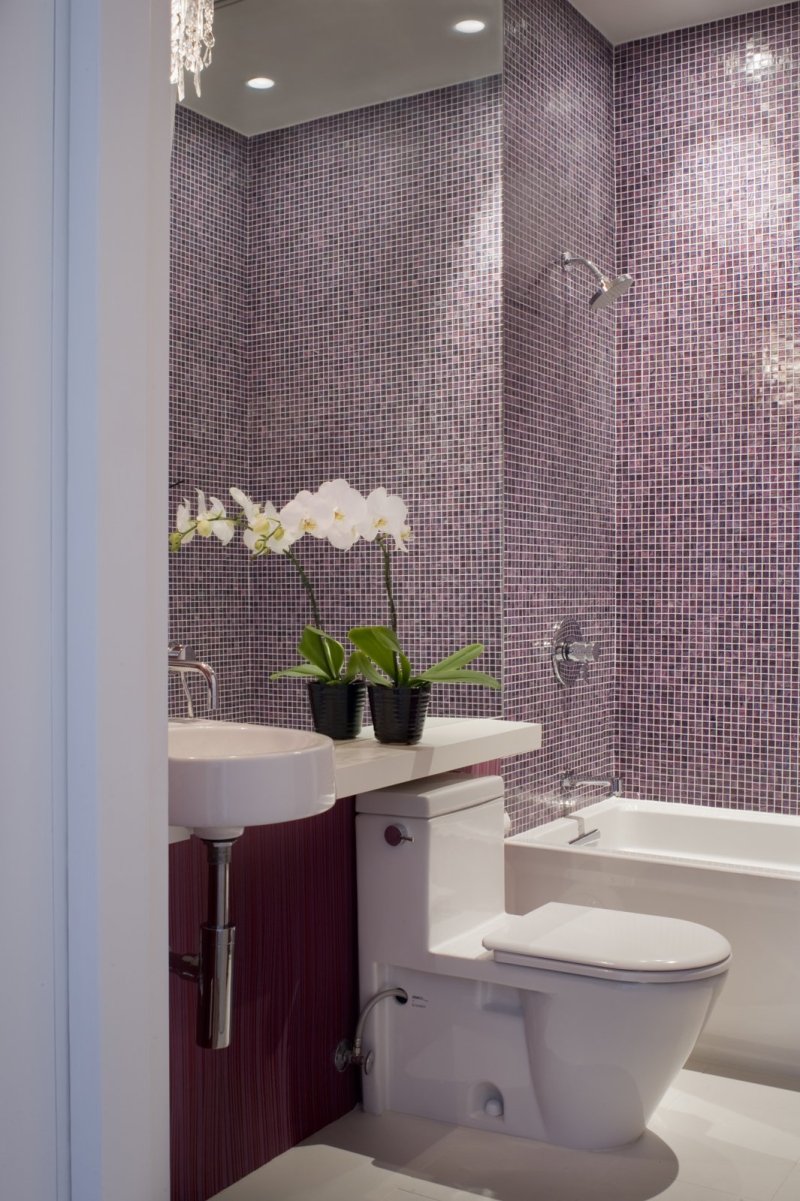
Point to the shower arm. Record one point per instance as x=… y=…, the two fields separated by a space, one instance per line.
x=568 y=259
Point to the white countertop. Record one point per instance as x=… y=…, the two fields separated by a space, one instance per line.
x=448 y=743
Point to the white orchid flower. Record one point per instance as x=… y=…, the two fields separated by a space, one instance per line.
x=281 y=539
x=348 y=509
x=184 y=523
x=306 y=514
x=267 y=535
x=251 y=510
x=386 y=517
x=264 y=534
x=212 y=519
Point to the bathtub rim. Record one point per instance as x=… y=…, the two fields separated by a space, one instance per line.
x=533 y=837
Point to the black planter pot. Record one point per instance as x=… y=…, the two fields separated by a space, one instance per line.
x=398 y=714
x=337 y=709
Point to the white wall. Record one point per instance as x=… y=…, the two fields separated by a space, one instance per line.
x=33 y=1060
x=83 y=444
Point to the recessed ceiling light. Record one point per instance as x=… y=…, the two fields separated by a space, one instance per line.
x=260 y=83
x=470 y=26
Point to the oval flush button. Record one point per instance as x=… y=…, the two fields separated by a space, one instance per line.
x=395 y=835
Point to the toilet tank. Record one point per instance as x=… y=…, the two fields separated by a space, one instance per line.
x=445 y=879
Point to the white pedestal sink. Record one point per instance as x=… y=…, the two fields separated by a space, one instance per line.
x=224 y=776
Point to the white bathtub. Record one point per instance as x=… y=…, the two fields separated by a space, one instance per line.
x=736 y=871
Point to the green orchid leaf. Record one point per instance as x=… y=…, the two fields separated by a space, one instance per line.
x=460 y=658
x=304 y=671
x=323 y=652
x=381 y=647
x=352 y=668
x=402 y=669
x=459 y=675
x=362 y=666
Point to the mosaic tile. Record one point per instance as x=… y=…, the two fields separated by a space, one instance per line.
x=707 y=423
x=209 y=590
x=360 y=328
x=374 y=351
x=356 y=333
x=558 y=391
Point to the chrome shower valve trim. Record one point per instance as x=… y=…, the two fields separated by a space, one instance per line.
x=571 y=653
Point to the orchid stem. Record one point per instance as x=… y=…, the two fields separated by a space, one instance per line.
x=312 y=599
x=387 y=580
x=306 y=582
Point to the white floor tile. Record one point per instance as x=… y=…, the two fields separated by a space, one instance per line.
x=414 y=1190
x=776 y=1106
x=498 y=1166
x=680 y=1190
x=315 y=1174
x=713 y=1139
x=737 y=1137
x=790 y=1189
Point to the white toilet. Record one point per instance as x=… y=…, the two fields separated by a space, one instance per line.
x=565 y=1024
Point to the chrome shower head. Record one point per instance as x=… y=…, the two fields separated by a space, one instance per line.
x=611 y=286
x=609 y=291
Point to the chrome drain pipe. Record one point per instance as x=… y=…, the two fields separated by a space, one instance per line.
x=212 y=969
x=351 y=1055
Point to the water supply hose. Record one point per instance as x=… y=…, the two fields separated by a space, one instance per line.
x=347 y=1056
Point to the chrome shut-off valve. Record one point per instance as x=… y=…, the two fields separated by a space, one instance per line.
x=571 y=652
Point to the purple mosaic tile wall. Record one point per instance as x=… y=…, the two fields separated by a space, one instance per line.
x=374 y=351
x=709 y=389
x=558 y=422
x=370 y=346
x=209 y=602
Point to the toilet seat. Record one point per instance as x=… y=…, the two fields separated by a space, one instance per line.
x=609 y=944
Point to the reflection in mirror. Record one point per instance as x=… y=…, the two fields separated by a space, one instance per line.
x=336 y=312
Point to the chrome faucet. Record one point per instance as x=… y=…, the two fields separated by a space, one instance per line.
x=181 y=660
x=570 y=782
x=566 y=811
x=568 y=785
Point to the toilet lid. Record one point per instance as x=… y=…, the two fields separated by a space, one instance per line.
x=605 y=942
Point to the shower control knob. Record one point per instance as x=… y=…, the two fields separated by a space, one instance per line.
x=582 y=652
x=395 y=835
x=571 y=652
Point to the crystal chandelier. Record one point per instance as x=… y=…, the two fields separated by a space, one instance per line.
x=192 y=40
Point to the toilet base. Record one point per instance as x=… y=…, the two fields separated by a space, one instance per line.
x=458 y=1052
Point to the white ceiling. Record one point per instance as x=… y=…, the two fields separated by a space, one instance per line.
x=331 y=56
x=626 y=20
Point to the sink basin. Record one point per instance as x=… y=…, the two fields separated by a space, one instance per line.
x=224 y=776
